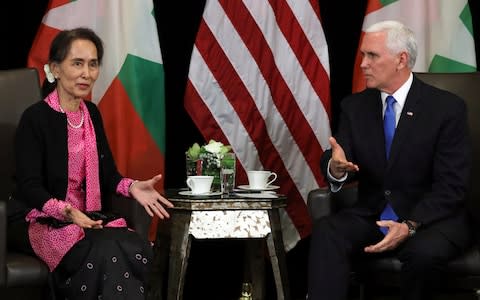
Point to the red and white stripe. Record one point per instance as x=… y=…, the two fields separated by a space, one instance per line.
x=259 y=81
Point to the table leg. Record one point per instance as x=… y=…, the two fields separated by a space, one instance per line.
x=179 y=252
x=255 y=267
x=276 y=250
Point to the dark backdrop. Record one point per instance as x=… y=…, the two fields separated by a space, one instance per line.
x=177 y=25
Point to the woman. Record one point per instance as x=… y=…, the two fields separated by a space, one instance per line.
x=65 y=170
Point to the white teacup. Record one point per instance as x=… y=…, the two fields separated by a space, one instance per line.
x=199 y=184
x=260 y=179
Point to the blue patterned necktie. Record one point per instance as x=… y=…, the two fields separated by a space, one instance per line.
x=389 y=130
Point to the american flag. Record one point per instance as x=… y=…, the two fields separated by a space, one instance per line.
x=259 y=81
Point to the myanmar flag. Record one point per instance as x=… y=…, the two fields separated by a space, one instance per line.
x=130 y=88
x=443 y=29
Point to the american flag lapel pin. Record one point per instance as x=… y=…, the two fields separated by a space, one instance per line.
x=409 y=113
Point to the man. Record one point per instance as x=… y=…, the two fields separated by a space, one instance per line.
x=406 y=144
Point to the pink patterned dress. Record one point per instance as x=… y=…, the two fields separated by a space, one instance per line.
x=108 y=253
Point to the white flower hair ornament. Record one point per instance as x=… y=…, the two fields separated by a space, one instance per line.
x=48 y=73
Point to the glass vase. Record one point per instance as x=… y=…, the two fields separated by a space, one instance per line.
x=211 y=167
x=193 y=166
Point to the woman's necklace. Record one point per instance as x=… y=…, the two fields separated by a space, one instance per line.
x=70 y=123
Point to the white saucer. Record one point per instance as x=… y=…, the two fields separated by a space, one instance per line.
x=268 y=188
x=189 y=193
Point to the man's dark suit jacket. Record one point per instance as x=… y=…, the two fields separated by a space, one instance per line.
x=426 y=176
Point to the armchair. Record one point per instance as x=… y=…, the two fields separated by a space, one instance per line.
x=18 y=272
x=463 y=273
x=24 y=276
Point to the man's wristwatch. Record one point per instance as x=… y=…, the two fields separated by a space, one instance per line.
x=412 y=229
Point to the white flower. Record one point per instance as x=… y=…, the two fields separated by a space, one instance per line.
x=214 y=147
x=48 y=73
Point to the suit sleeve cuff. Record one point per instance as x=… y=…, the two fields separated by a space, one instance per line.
x=335 y=183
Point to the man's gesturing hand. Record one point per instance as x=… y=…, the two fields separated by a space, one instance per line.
x=338 y=163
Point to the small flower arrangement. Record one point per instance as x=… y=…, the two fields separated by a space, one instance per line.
x=206 y=160
x=212 y=152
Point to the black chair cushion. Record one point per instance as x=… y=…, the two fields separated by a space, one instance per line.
x=461 y=273
x=466 y=264
x=24 y=270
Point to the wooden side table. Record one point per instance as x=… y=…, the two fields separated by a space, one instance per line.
x=211 y=217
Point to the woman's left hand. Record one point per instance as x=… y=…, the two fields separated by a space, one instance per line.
x=144 y=192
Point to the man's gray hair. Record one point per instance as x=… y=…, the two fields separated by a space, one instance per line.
x=399 y=38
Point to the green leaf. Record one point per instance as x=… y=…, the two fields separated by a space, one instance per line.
x=225 y=149
x=194 y=151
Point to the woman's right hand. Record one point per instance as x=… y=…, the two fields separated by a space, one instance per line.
x=81 y=219
x=154 y=203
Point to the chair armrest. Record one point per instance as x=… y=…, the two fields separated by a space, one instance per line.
x=322 y=202
x=3 y=243
x=319 y=203
x=135 y=214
